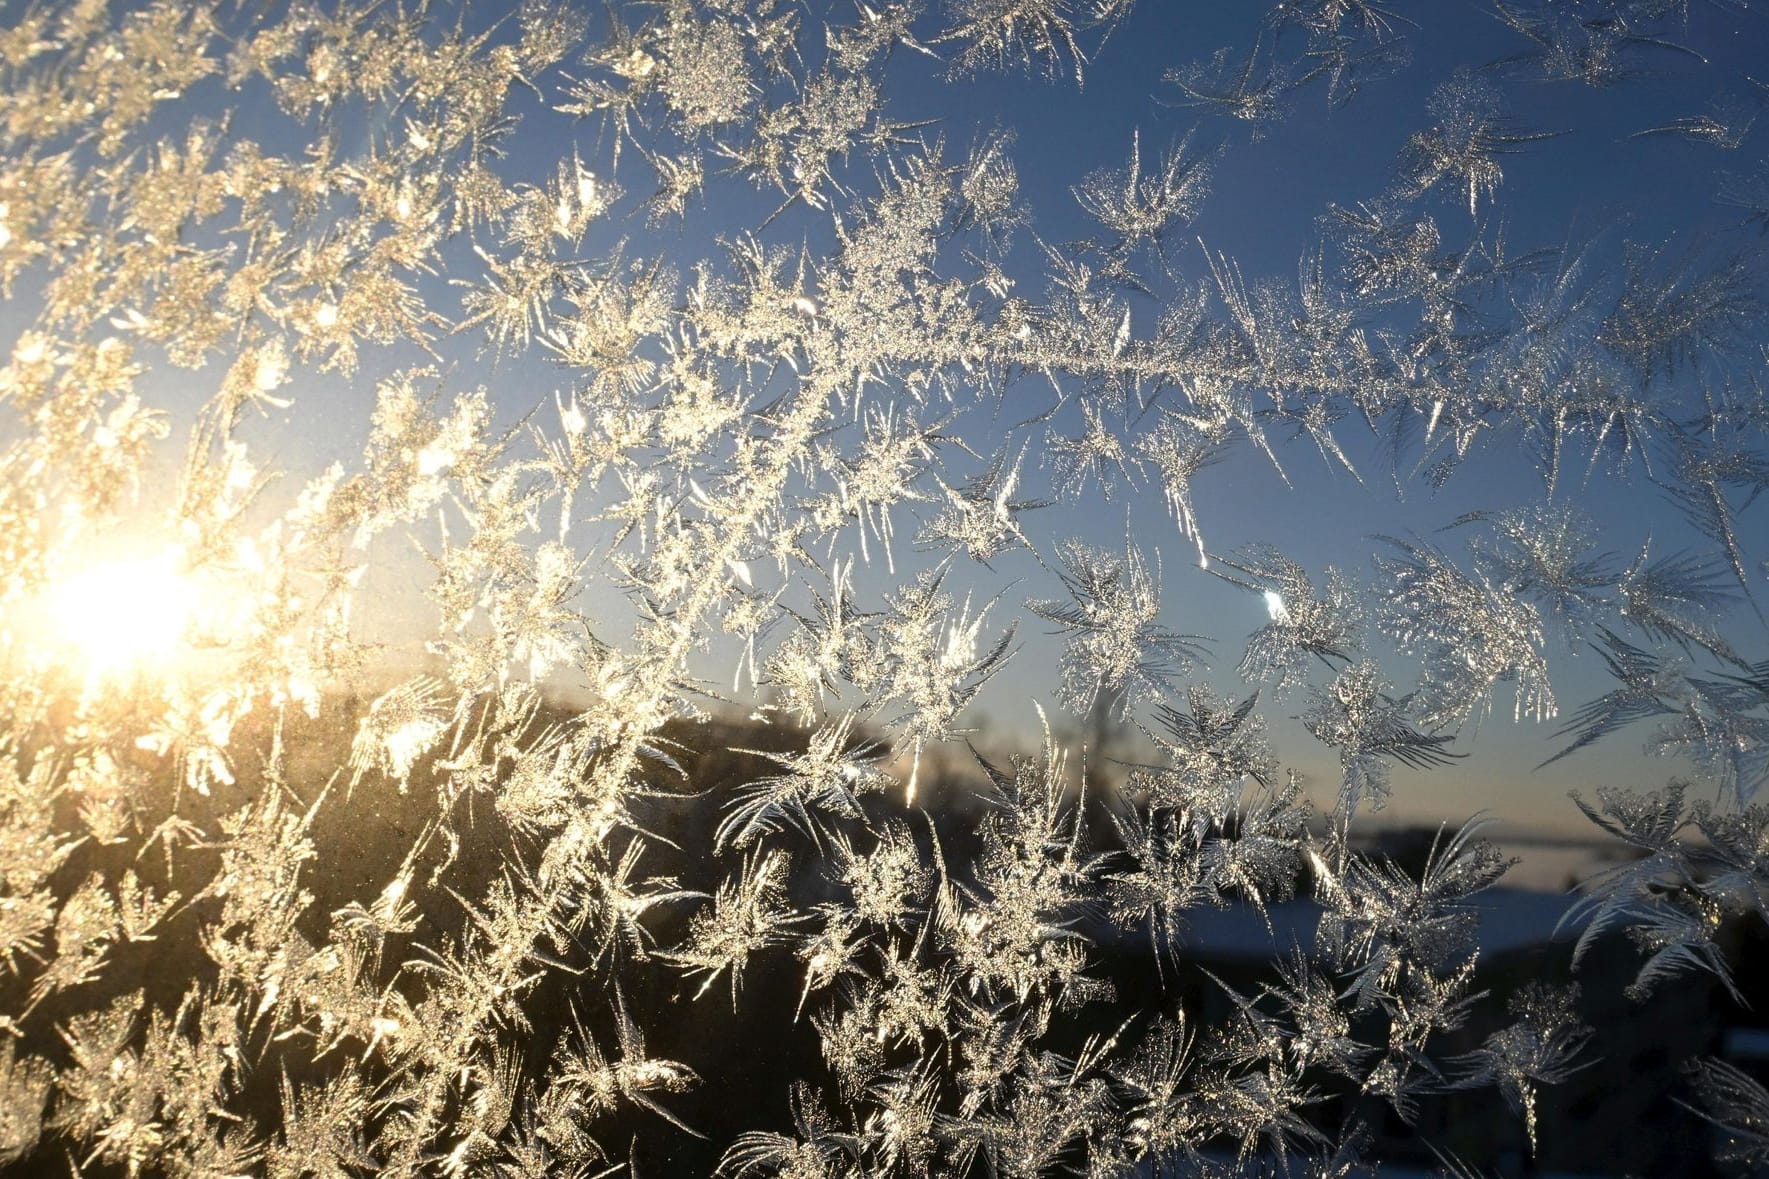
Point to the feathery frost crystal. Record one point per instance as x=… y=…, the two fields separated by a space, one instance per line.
x=535 y=542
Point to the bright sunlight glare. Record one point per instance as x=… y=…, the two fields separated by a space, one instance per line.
x=123 y=615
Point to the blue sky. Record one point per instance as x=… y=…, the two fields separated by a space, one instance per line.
x=1592 y=187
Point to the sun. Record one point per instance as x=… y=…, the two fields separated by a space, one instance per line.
x=122 y=616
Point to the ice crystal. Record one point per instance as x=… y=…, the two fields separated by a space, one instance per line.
x=599 y=465
x=1356 y=715
x=1539 y=1049
x=1116 y=649
x=1738 y=1107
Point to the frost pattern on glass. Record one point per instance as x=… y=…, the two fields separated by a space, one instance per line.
x=509 y=523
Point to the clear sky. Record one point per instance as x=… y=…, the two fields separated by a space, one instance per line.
x=1592 y=188
x=1586 y=192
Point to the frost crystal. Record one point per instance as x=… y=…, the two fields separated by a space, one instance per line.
x=518 y=525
